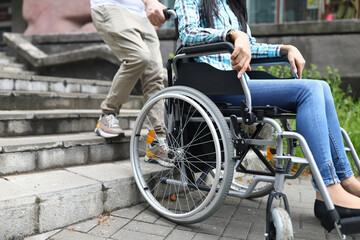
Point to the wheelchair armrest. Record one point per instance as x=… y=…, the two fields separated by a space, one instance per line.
x=227 y=47
x=273 y=61
x=269 y=61
x=208 y=48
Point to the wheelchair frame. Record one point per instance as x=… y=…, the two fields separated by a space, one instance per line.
x=220 y=171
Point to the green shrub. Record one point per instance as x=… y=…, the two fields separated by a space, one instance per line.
x=347 y=106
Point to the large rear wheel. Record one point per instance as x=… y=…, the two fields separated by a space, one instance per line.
x=177 y=182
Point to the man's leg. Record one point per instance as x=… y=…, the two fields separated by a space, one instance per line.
x=120 y=30
x=152 y=79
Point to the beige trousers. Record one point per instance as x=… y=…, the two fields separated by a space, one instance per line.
x=134 y=41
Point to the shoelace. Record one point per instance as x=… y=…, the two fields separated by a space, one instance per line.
x=163 y=144
x=112 y=120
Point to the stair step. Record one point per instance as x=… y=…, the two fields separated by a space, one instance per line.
x=13 y=65
x=24 y=100
x=43 y=152
x=39 y=202
x=7 y=59
x=21 y=72
x=40 y=122
x=14 y=82
x=3 y=54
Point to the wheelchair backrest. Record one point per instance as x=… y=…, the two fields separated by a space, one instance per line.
x=207 y=79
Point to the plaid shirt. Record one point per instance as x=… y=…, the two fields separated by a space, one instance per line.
x=194 y=29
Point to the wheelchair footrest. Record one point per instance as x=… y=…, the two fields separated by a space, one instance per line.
x=350 y=225
x=292 y=159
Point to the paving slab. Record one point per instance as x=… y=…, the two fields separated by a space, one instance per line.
x=149 y=216
x=124 y=234
x=86 y=226
x=181 y=235
x=44 y=236
x=243 y=220
x=109 y=226
x=203 y=236
x=130 y=212
x=69 y=234
x=148 y=228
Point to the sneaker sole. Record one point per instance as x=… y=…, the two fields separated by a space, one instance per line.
x=107 y=135
x=160 y=162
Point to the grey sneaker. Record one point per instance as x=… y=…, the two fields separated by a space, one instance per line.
x=157 y=152
x=108 y=127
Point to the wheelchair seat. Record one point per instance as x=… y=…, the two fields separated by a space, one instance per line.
x=259 y=111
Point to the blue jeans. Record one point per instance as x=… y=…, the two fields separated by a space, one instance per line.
x=316 y=119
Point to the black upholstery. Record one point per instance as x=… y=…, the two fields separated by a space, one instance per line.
x=208 y=80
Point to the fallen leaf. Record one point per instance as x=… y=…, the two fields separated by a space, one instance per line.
x=173 y=197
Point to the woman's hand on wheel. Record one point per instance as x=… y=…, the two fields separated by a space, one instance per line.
x=241 y=56
x=296 y=60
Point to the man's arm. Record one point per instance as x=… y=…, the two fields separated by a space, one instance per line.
x=154 y=12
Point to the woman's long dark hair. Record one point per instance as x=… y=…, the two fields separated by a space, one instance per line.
x=237 y=6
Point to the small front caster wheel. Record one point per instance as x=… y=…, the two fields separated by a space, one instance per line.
x=280 y=225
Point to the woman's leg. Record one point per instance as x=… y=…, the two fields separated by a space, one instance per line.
x=341 y=162
x=317 y=122
x=308 y=99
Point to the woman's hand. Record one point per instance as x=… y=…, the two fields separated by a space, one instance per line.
x=154 y=12
x=241 y=56
x=296 y=60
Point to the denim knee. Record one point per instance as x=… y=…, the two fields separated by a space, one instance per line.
x=327 y=91
x=310 y=89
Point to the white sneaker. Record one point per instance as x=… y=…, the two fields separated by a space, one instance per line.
x=108 y=127
x=157 y=152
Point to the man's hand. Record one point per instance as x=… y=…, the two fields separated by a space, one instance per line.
x=154 y=12
x=241 y=56
x=296 y=60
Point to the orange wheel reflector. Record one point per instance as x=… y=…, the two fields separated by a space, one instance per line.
x=150 y=137
x=269 y=153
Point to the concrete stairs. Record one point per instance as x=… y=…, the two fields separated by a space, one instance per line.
x=54 y=170
x=8 y=64
x=28 y=92
x=37 y=122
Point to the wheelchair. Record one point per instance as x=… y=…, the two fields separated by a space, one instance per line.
x=208 y=147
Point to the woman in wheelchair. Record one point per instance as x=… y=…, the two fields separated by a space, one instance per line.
x=207 y=21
